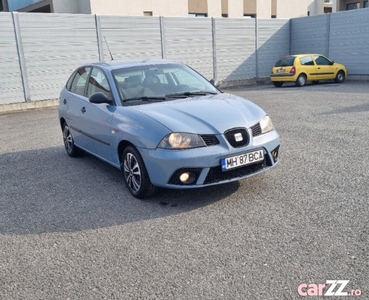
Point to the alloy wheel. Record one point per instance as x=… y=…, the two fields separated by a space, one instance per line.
x=68 y=139
x=132 y=172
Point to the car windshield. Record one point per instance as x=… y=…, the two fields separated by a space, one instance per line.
x=286 y=61
x=160 y=82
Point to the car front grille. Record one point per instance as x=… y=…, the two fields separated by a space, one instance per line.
x=216 y=174
x=210 y=139
x=231 y=136
x=256 y=129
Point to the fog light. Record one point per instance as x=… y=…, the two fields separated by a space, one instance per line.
x=275 y=154
x=187 y=177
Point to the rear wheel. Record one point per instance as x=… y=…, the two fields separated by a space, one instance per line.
x=69 y=145
x=277 y=83
x=135 y=174
x=301 y=80
x=340 y=77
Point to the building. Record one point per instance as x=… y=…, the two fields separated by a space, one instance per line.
x=262 y=9
x=351 y=4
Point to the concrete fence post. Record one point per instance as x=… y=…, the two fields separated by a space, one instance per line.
x=257 y=72
x=21 y=58
x=328 y=34
x=214 y=45
x=162 y=37
x=99 y=38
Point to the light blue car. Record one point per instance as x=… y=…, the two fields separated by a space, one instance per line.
x=164 y=125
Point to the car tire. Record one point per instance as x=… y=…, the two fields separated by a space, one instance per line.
x=301 y=80
x=277 y=83
x=69 y=145
x=340 y=77
x=135 y=174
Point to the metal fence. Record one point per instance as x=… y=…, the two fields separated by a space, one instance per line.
x=39 y=51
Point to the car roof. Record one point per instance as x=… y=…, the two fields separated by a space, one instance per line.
x=128 y=63
x=303 y=54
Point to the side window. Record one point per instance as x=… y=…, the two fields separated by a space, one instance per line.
x=70 y=80
x=322 y=61
x=79 y=81
x=306 y=61
x=98 y=83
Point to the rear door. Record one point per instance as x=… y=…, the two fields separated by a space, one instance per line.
x=97 y=118
x=73 y=99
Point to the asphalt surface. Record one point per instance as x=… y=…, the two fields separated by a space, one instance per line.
x=69 y=229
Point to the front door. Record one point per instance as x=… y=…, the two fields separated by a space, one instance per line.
x=325 y=68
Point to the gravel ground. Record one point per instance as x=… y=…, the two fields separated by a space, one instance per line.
x=69 y=229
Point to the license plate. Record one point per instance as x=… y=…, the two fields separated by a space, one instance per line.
x=281 y=70
x=242 y=159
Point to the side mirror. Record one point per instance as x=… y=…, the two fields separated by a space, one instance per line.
x=99 y=98
x=332 y=63
x=215 y=82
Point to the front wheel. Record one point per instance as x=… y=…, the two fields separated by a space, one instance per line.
x=277 y=83
x=135 y=174
x=340 y=77
x=301 y=80
x=69 y=145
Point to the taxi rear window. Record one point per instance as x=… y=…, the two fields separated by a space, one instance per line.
x=285 y=61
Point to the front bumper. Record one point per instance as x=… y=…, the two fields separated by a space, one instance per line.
x=164 y=166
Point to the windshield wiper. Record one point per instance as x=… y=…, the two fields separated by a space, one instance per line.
x=145 y=98
x=189 y=94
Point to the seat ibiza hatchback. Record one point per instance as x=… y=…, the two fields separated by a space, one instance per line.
x=164 y=125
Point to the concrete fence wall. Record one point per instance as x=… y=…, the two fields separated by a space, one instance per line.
x=342 y=36
x=39 y=51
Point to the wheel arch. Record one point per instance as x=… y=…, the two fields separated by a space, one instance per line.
x=303 y=73
x=344 y=72
x=62 y=121
x=121 y=147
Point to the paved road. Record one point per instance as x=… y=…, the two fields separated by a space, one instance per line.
x=69 y=229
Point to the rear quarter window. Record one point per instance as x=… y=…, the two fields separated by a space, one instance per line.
x=285 y=61
x=306 y=61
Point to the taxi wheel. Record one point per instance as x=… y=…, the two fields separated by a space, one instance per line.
x=277 y=83
x=340 y=77
x=301 y=80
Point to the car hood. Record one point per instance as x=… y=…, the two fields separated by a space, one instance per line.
x=213 y=114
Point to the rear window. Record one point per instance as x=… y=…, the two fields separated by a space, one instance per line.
x=286 y=61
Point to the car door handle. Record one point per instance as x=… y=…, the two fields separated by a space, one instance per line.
x=65 y=101
x=83 y=110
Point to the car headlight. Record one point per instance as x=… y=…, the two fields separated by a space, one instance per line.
x=266 y=124
x=180 y=140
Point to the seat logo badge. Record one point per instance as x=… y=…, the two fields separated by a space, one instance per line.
x=238 y=137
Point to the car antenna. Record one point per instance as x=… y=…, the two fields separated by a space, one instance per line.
x=111 y=55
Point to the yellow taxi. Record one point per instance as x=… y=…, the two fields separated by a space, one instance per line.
x=301 y=68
